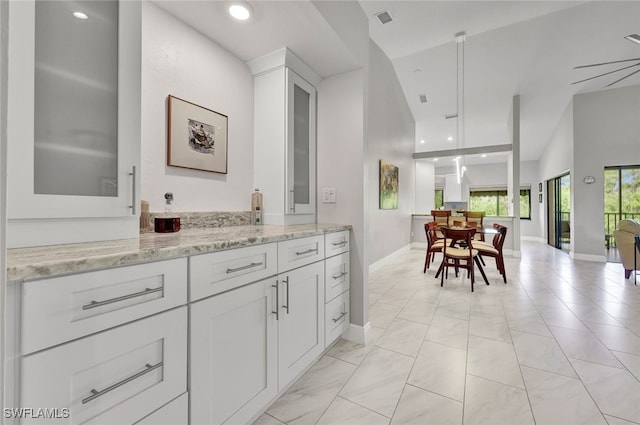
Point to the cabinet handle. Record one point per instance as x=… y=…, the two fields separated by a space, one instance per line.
x=277 y=312
x=133 y=190
x=248 y=266
x=95 y=393
x=339 y=275
x=293 y=200
x=94 y=304
x=341 y=243
x=339 y=317
x=307 y=251
x=286 y=307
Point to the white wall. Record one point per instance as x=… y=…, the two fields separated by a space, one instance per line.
x=425 y=187
x=606 y=132
x=529 y=177
x=341 y=166
x=390 y=136
x=180 y=61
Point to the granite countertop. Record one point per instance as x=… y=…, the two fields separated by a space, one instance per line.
x=49 y=261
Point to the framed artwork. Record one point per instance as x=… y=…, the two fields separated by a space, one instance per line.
x=388 y=186
x=540 y=197
x=197 y=137
x=540 y=187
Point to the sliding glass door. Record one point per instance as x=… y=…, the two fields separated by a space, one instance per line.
x=559 y=212
x=621 y=197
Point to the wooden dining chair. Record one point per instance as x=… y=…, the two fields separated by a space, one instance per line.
x=494 y=249
x=476 y=217
x=434 y=245
x=442 y=218
x=465 y=257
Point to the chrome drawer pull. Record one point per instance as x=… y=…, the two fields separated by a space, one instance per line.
x=339 y=317
x=133 y=190
x=338 y=276
x=147 y=291
x=249 y=266
x=286 y=307
x=341 y=243
x=95 y=393
x=277 y=312
x=308 y=251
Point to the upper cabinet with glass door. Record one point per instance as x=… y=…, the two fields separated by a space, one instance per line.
x=285 y=137
x=73 y=121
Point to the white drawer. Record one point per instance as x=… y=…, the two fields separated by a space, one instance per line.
x=174 y=413
x=336 y=276
x=296 y=253
x=117 y=376
x=221 y=271
x=336 y=318
x=60 y=309
x=336 y=243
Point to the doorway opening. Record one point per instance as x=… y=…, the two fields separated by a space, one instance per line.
x=559 y=212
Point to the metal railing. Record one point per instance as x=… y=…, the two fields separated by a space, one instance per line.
x=611 y=222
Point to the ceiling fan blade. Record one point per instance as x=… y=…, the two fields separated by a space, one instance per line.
x=606 y=63
x=607 y=73
x=627 y=76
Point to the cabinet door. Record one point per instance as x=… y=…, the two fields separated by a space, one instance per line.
x=301 y=320
x=301 y=145
x=233 y=354
x=73 y=125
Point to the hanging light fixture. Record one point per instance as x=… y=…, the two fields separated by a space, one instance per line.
x=460 y=130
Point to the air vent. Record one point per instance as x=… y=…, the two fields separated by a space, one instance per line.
x=450 y=116
x=384 y=17
x=423 y=98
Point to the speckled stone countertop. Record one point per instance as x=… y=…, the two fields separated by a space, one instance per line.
x=49 y=261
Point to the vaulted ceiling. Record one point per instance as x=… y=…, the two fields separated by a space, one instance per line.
x=526 y=48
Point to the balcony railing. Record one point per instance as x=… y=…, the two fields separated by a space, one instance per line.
x=611 y=222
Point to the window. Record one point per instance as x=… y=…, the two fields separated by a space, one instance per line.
x=621 y=195
x=439 y=198
x=496 y=203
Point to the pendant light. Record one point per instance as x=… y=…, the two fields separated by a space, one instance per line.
x=460 y=129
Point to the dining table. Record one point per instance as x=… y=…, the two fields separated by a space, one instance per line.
x=485 y=230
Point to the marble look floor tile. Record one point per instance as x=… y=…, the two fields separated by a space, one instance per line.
x=398 y=295
x=583 y=345
x=488 y=402
x=353 y=352
x=532 y=324
x=379 y=381
x=403 y=336
x=456 y=311
x=418 y=311
x=542 y=353
x=418 y=406
x=427 y=294
x=265 y=419
x=493 y=360
x=382 y=314
x=305 y=401
x=557 y=399
x=616 y=338
x=611 y=420
x=344 y=412
x=440 y=369
x=630 y=361
x=374 y=297
x=490 y=327
x=592 y=313
x=611 y=389
x=449 y=331
x=562 y=317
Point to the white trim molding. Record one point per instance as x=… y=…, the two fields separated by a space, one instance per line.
x=359 y=334
x=588 y=257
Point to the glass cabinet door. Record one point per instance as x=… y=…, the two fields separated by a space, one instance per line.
x=301 y=145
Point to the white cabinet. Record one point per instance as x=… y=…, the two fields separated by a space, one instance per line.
x=285 y=137
x=175 y=412
x=337 y=283
x=103 y=164
x=301 y=320
x=117 y=376
x=233 y=354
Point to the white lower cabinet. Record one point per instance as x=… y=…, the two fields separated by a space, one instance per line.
x=175 y=412
x=116 y=376
x=233 y=354
x=300 y=321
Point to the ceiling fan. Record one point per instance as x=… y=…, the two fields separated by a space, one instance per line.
x=633 y=37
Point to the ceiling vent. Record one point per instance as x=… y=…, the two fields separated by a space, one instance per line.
x=384 y=17
x=423 y=98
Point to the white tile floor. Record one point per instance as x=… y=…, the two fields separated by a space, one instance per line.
x=559 y=344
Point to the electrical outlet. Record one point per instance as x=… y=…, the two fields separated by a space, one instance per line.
x=329 y=195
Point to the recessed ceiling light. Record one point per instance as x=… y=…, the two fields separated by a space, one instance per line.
x=435 y=159
x=484 y=155
x=80 y=15
x=450 y=138
x=422 y=141
x=240 y=12
x=633 y=37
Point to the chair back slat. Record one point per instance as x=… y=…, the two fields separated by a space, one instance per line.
x=441 y=216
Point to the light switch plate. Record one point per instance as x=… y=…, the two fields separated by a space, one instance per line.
x=329 y=195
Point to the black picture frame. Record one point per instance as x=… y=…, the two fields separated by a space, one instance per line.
x=540 y=187
x=540 y=197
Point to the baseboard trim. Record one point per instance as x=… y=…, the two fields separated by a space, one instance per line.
x=359 y=334
x=418 y=245
x=533 y=239
x=588 y=257
x=380 y=263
